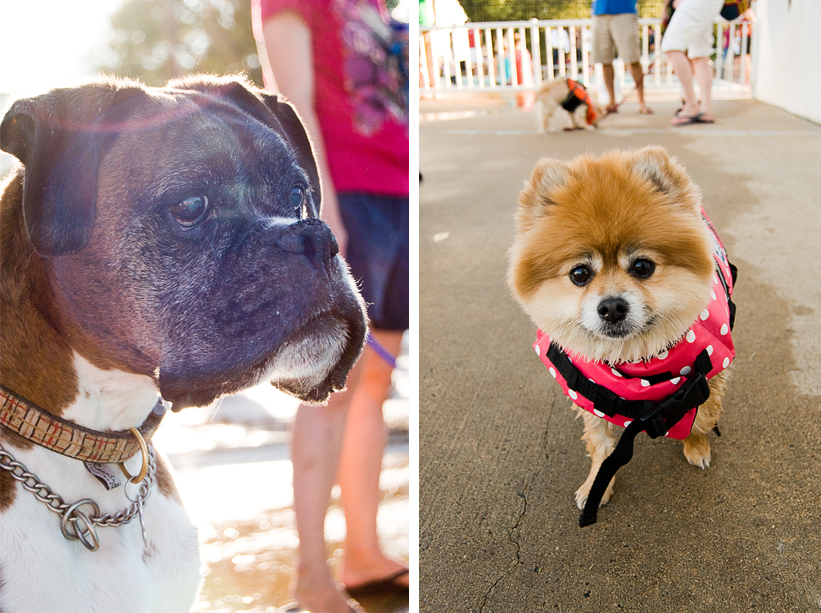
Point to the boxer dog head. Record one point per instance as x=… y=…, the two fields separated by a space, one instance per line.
x=179 y=234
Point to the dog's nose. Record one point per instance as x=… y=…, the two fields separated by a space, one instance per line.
x=310 y=237
x=613 y=310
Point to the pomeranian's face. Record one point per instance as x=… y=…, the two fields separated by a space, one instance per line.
x=611 y=257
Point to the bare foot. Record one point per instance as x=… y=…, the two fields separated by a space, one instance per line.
x=319 y=593
x=645 y=110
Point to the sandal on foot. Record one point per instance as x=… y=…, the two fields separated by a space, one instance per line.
x=295 y=607
x=388 y=585
x=684 y=120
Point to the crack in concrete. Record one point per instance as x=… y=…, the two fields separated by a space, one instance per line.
x=513 y=530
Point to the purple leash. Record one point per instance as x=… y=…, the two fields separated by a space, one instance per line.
x=381 y=351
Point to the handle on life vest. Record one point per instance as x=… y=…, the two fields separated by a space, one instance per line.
x=671 y=410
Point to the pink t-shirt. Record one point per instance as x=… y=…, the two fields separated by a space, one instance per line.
x=363 y=119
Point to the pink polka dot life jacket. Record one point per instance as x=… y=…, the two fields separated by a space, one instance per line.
x=620 y=393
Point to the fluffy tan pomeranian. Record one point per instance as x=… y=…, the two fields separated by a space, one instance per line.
x=571 y=96
x=620 y=269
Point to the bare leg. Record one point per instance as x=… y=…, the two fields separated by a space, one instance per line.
x=681 y=66
x=704 y=75
x=361 y=464
x=638 y=77
x=609 y=83
x=315 y=449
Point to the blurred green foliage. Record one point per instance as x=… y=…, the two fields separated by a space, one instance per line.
x=155 y=40
x=517 y=10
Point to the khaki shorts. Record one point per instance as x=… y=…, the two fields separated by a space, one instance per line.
x=611 y=32
x=691 y=28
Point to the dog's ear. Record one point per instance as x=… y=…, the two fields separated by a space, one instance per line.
x=655 y=165
x=292 y=124
x=536 y=198
x=60 y=138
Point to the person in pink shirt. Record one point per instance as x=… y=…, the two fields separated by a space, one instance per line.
x=336 y=61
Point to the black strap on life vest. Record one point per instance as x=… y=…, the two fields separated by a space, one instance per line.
x=656 y=421
x=571 y=102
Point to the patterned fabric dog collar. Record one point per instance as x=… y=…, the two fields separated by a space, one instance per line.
x=69 y=439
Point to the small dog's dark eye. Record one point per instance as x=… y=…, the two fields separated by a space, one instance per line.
x=190 y=212
x=297 y=198
x=580 y=275
x=642 y=268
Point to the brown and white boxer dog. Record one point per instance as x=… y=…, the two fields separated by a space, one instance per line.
x=153 y=243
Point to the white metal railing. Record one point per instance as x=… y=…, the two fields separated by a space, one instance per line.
x=517 y=56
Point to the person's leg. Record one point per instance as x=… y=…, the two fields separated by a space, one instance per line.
x=609 y=83
x=315 y=448
x=681 y=67
x=638 y=77
x=625 y=29
x=360 y=466
x=603 y=52
x=704 y=76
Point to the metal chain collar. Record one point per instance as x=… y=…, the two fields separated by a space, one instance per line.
x=71 y=513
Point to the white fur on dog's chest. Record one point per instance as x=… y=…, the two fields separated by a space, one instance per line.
x=122 y=575
x=117 y=577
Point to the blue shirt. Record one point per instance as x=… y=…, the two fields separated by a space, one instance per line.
x=613 y=7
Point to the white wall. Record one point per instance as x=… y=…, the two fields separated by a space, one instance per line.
x=787 y=71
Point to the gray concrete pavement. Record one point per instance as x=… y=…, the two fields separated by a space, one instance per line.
x=500 y=455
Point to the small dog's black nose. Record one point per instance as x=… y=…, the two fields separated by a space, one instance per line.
x=613 y=310
x=310 y=237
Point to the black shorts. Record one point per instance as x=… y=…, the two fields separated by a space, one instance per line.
x=378 y=238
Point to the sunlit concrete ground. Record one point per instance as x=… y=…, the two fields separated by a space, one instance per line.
x=234 y=474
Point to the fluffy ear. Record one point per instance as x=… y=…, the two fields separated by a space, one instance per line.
x=535 y=199
x=61 y=138
x=655 y=165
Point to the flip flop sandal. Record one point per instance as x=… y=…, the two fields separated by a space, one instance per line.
x=700 y=120
x=685 y=120
x=294 y=607
x=388 y=585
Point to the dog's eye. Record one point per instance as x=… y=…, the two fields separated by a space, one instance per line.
x=297 y=197
x=580 y=275
x=642 y=268
x=190 y=212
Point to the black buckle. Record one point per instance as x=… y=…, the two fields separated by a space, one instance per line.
x=666 y=414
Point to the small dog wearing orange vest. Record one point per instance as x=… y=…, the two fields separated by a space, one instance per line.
x=573 y=98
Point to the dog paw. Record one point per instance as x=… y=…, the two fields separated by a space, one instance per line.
x=584 y=491
x=697 y=451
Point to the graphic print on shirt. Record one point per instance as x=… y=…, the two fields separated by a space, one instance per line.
x=372 y=65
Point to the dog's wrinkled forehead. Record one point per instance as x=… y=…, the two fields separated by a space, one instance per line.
x=214 y=149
